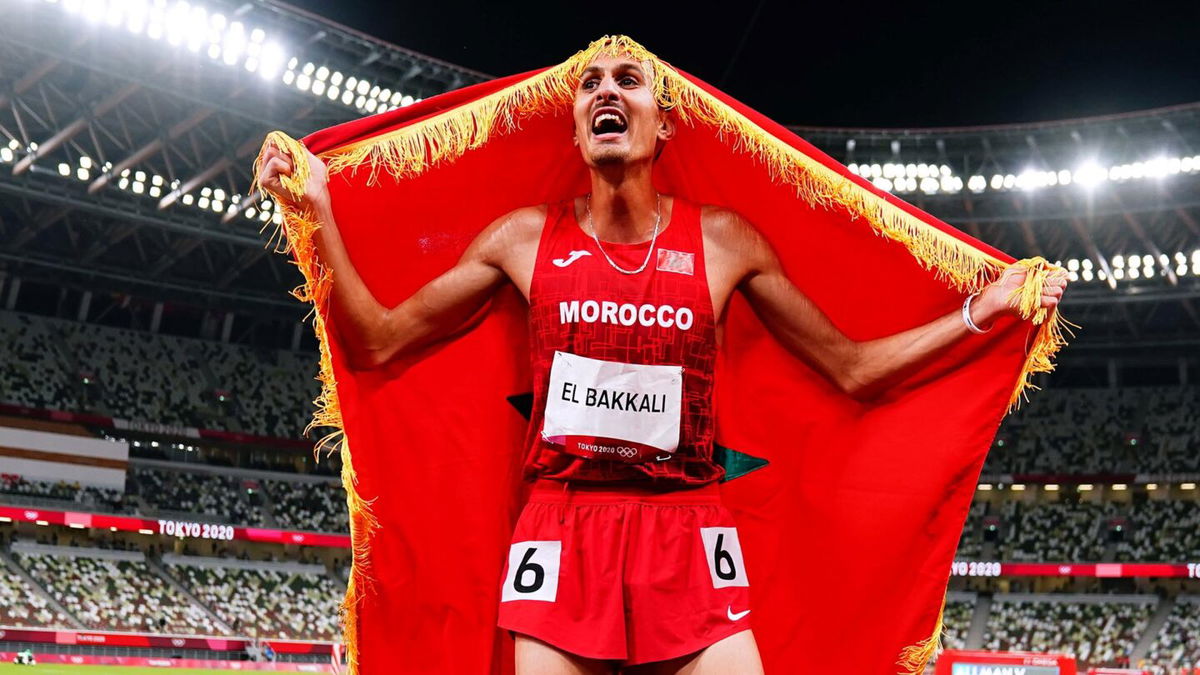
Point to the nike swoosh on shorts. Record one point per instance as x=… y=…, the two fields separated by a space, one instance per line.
x=735 y=617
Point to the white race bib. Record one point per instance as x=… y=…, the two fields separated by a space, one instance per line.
x=613 y=410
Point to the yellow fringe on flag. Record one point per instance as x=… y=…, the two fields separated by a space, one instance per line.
x=914 y=658
x=415 y=148
x=296 y=237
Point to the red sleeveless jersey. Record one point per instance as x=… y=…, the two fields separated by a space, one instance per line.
x=623 y=364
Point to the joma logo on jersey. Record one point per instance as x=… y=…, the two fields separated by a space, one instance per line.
x=626 y=314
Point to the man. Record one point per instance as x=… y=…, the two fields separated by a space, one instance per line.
x=624 y=556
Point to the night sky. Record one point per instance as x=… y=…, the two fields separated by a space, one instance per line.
x=841 y=63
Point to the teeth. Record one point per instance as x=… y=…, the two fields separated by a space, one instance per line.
x=607 y=117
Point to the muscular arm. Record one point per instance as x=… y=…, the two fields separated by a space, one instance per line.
x=374 y=334
x=857 y=367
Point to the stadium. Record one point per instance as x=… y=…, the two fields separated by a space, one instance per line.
x=160 y=501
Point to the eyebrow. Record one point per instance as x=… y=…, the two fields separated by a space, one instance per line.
x=626 y=65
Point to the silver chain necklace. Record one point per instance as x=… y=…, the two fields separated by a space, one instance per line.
x=653 y=239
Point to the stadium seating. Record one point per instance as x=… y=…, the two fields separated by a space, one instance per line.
x=151 y=377
x=107 y=593
x=319 y=507
x=31 y=369
x=1176 y=644
x=273 y=603
x=193 y=493
x=1096 y=633
x=1126 y=430
x=268 y=392
x=956 y=621
x=1161 y=531
x=1054 y=532
x=22 y=606
x=13 y=485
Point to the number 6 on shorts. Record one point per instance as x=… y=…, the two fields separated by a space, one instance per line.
x=532 y=571
x=724 y=554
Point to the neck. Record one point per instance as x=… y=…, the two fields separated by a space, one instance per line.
x=624 y=203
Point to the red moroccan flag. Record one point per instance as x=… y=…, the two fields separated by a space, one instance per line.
x=850 y=527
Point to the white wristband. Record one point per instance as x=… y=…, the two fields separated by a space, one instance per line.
x=966 y=316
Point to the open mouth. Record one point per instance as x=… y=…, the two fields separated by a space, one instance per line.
x=608 y=121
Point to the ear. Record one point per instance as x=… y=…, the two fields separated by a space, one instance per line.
x=666 y=126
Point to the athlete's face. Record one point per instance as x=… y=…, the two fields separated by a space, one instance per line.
x=617 y=119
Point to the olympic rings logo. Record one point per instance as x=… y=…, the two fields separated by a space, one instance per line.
x=627 y=452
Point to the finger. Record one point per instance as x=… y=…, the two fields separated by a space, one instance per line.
x=279 y=167
x=270 y=153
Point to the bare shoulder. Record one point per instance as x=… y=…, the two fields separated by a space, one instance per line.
x=520 y=224
x=728 y=231
x=513 y=231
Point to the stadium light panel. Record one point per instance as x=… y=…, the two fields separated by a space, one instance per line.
x=985 y=486
x=1018 y=487
x=1151 y=486
x=93 y=10
x=64 y=169
x=1187 y=486
x=1050 y=487
x=1087 y=275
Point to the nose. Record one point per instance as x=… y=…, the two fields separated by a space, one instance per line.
x=608 y=91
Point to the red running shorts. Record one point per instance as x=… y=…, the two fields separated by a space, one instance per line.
x=625 y=574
